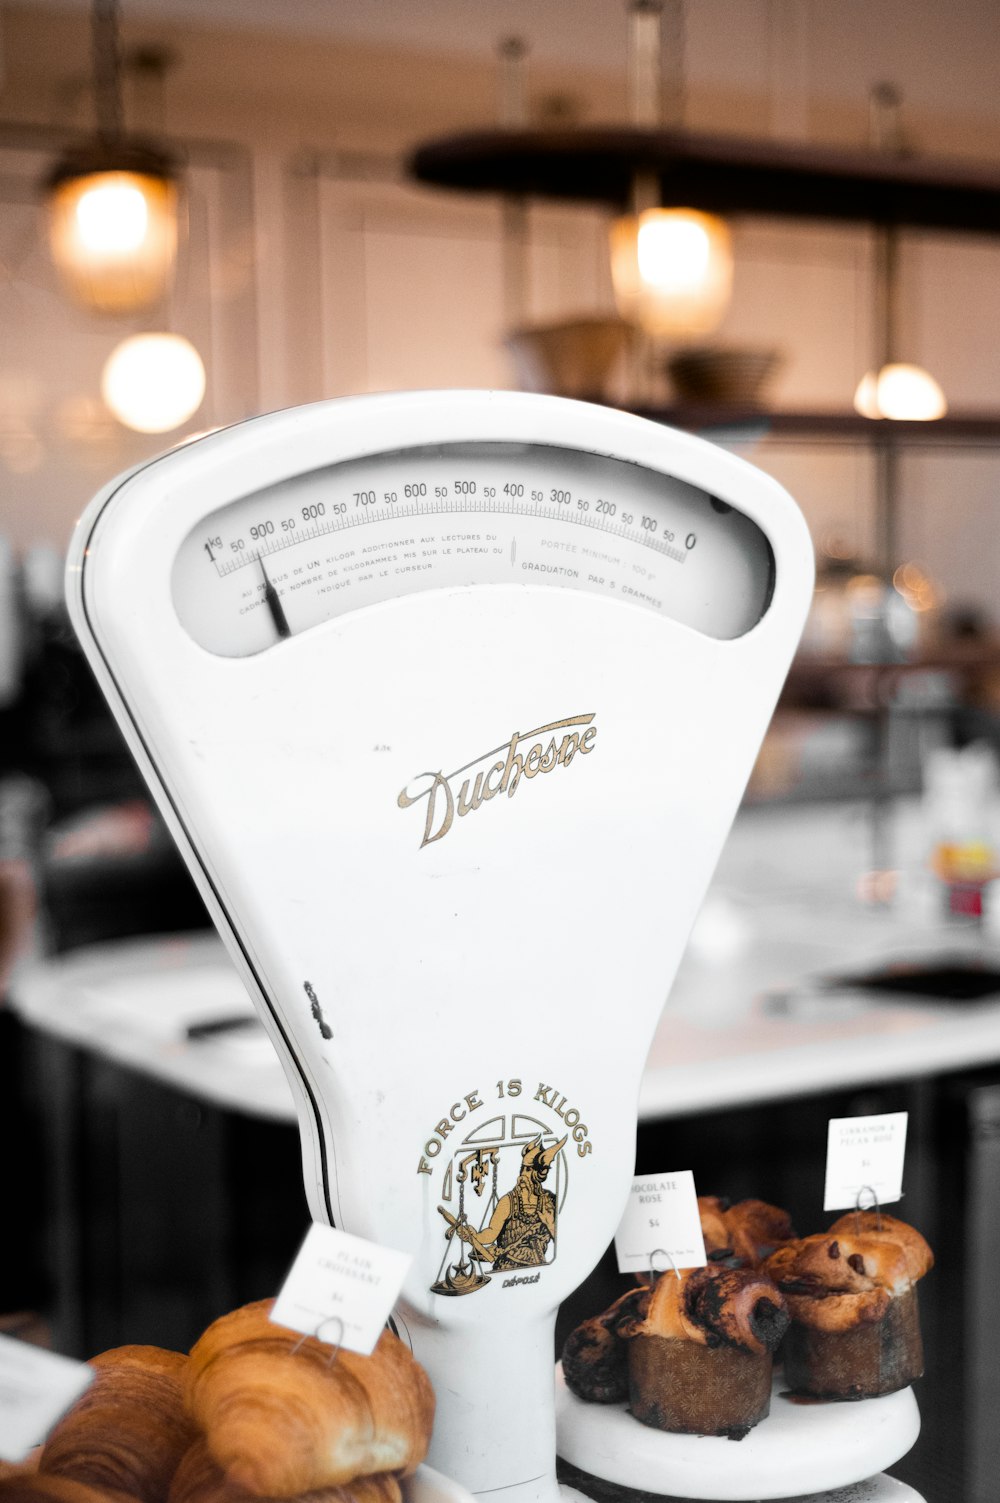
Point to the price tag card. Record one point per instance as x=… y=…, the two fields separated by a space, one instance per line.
x=340 y=1289
x=661 y=1225
x=864 y=1161
x=36 y=1389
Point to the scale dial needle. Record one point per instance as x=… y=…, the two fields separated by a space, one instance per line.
x=273 y=604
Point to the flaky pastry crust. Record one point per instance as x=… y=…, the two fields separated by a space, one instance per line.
x=836 y=1281
x=878 y=1227
x=748 y=1230
x=129 y=1429
x=37 y=1487
x=714 y=1306
x=280 y=1418
x=199 y=1480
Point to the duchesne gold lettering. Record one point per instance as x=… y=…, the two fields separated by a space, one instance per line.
x=447 y=816
x=526 y=755
x=465 y=804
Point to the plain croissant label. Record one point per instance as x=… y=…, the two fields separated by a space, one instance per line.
x=661 y=1227
x=340 y=1289
x=36 y=1389
x=864 y=1161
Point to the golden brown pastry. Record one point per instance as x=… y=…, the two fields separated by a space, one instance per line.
x=29 y=1486
x=128 y=1431
x=745 y=1233
x=594 y=1356
x=280 y=1418
x=20 y=1468
x=712 y=1307
x=878 y=1227
x=199 y=1480
x=699 y=1349
x=852 y=1296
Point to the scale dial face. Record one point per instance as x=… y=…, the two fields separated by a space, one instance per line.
x=283 y=559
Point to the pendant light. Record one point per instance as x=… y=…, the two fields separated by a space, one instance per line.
x=671 y=267
x=153 y=383
x=113 y=204
x=894 y=389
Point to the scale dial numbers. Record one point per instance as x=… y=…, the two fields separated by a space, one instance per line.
x=279 y=561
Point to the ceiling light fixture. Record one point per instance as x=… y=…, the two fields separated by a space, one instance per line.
x=901 y=392
x=113 y=204
x=672 y=268
x=894 y=389
x=153 y=382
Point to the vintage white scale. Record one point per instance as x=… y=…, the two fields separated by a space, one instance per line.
x=449 y=699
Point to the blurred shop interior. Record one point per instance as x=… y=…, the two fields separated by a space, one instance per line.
x=346 y=199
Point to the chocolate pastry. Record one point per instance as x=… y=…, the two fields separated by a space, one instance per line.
x=701 y=1348
x=744 y=1234
x=594 y=1356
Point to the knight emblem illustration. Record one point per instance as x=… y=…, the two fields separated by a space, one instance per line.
x=517 y=1230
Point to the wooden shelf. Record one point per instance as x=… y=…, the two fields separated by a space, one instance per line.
x=752 y=423
x=720 y=173
x=953 y=659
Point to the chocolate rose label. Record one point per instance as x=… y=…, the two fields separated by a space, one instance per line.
x=504 y=1182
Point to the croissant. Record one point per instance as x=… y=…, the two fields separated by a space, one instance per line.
x=27 y=1486
x=199 y=1480
x=280 y=1418
x=128 y=1431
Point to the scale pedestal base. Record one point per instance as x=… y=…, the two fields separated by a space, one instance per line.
x=800 y=1449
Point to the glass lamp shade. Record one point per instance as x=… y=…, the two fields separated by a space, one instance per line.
x=113 y=230
x=901 y=392
x=672 y=271
x=153 y=382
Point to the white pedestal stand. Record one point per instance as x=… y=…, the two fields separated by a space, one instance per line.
x=802 y=1450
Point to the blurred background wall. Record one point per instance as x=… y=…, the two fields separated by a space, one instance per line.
x=314 y=268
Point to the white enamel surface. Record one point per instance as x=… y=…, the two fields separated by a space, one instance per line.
x=799 y=1449
x=404 y=985
x=381 y=527
x=430 y=1486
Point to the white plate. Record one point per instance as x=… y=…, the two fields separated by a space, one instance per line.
x=428 y=1486
x=799 y=1448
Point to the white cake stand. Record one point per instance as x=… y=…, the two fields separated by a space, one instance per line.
x=806 y=1449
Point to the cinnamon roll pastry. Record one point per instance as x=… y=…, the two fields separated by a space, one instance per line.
x=852 y=1296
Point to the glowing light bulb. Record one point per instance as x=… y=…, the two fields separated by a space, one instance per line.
x=112 y=217
x=901 y=392
x=153 y=382
x=672 y=270
x=113 y=237
x=674 y=253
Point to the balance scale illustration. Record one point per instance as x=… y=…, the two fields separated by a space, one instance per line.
x=449 y=700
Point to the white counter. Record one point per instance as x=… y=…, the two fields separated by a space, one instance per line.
x=743 y=1022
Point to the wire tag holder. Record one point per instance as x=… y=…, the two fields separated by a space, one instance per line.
x=657 y=1251
x=316 y=1335
x=859 y=1207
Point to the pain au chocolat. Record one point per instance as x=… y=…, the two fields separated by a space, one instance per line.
x=852 y=1297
